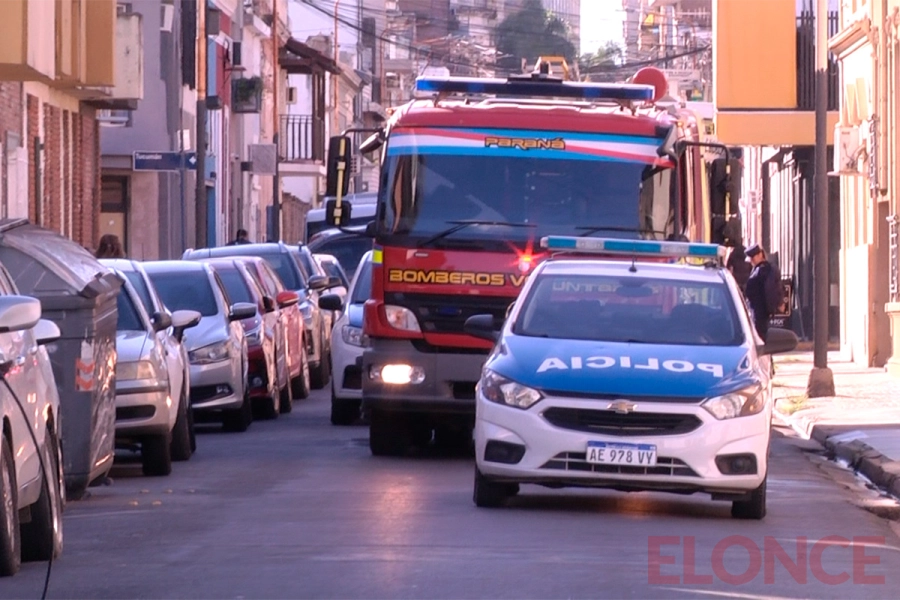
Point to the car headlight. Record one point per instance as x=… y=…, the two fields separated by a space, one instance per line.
x=400 y=317
x=501 y=390
x=742 y=403
x=306 y=309
x=354 y=335
x=212 y=353
x=255 y=336
x=129 y=371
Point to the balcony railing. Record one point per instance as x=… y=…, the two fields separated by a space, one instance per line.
x=302 y=138
x=806 y=62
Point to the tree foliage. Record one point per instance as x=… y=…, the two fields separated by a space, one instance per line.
x=530 y=33
x=608 y=56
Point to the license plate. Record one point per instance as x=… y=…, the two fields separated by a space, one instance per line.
x=613 y=453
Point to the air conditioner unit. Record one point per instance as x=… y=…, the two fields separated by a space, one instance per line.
x=849 y=149
x=291 y=96
x=167 y=17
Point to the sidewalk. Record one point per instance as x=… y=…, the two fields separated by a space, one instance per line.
x=860 y=425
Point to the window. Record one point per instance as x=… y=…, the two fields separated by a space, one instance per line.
x=630 y=309
x=140 y=286
x=186 y=291
x=347 y=250
x=129 y=318
x=235 y=286
x=363 y=289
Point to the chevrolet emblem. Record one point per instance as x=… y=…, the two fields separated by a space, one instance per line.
x=622 y=407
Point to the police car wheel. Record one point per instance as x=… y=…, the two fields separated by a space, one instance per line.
x=490 y=494
x=752 y=508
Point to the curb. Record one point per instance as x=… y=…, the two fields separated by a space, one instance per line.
x=882 y=471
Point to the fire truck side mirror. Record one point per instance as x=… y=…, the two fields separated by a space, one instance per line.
x=337 y=218
x=337 y=178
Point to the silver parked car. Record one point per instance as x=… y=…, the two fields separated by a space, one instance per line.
x=170 y=337
x=151 y=404
x=29 y=404
x=217 y=349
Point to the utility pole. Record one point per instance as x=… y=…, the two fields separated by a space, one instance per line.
x=200 y=202
x=821 y=379
x=335 y=97
x=276 y=123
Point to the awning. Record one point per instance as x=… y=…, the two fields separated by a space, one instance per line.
x=298 y=58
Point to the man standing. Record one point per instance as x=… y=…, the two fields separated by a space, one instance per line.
x=763 y=289
x=738 y=265
x=242 y=238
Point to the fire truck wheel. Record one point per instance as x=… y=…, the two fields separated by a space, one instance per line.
x=388 y=435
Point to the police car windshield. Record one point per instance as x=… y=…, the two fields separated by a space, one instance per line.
x=630 y=309
x=425 y=192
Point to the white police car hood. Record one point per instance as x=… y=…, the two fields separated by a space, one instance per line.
x=592 y=367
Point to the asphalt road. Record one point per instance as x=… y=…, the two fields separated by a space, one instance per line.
x=298 y=508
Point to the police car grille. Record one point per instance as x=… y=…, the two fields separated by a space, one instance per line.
x=577 y=461
x=448 y=314
x=608 y=422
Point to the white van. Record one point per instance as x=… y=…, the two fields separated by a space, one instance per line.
x=364 y=205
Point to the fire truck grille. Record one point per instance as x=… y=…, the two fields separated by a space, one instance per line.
x=448 y=314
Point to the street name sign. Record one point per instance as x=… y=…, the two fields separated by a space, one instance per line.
x=164 y=161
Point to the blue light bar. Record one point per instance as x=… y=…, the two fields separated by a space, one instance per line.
x=548 y=88
x=632 y=247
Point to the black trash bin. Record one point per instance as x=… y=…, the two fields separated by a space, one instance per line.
x=79 y=295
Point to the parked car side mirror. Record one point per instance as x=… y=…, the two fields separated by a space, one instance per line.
x=161 y=321
x=483 y=327
x=18 y=313
x=268 y=304
x=184 y=319
x=777 y=341
x=241 y=310
x=287 y=298
x=331 y=302
x=317 y=282
x=46 y=332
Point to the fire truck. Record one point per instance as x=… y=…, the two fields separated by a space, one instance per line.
x=472 y=177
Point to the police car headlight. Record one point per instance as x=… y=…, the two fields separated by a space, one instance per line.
x=354 y=335
x=401 y=317
x=749 y=401
x=501 y=390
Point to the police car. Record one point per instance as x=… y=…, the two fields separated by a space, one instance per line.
x=633 y=372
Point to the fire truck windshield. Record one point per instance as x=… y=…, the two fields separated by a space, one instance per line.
x=519 y=196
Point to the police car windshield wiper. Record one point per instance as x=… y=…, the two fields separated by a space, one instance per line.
x=457 y=225
x=592 y=229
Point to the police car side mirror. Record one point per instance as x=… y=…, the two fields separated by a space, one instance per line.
x=483 y=327
x=777 y=341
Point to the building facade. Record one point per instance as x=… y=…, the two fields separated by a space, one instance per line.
x=867 y=45
x=62 y=64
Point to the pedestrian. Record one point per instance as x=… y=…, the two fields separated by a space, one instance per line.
x=242 y=237
x=763 y=290
x=738 y=265
x=110 y=247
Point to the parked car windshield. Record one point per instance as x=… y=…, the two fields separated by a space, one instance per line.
x=363 y=289
x=186 y=291
x=333 y=269
x=308 y=262
x=281 y=262
x=348 y=250
x=140 y=286
x=630 y=309
x=236 y=286
x=129 y=320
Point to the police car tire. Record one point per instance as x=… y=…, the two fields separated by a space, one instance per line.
x=490 y=494
x=343 y=411
x=752 y=508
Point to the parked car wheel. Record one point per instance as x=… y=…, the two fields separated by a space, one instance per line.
x=10 y=553
x=271 y=405
x=156 y=455
x=300 y=385
x=321 y=375
x=752 y=508
x=239 y=419
x=190 y=414
x=181 y=433
x=343 y=411
x=42 y=537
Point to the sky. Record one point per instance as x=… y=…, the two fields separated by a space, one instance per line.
x=601 y=21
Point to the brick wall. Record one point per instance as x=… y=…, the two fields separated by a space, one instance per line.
x=33 y=108
x=86 y=210
x=67 y=173
x=10 y=121
x=52 y=191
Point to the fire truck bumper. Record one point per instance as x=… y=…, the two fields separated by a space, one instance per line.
x=398 y=377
